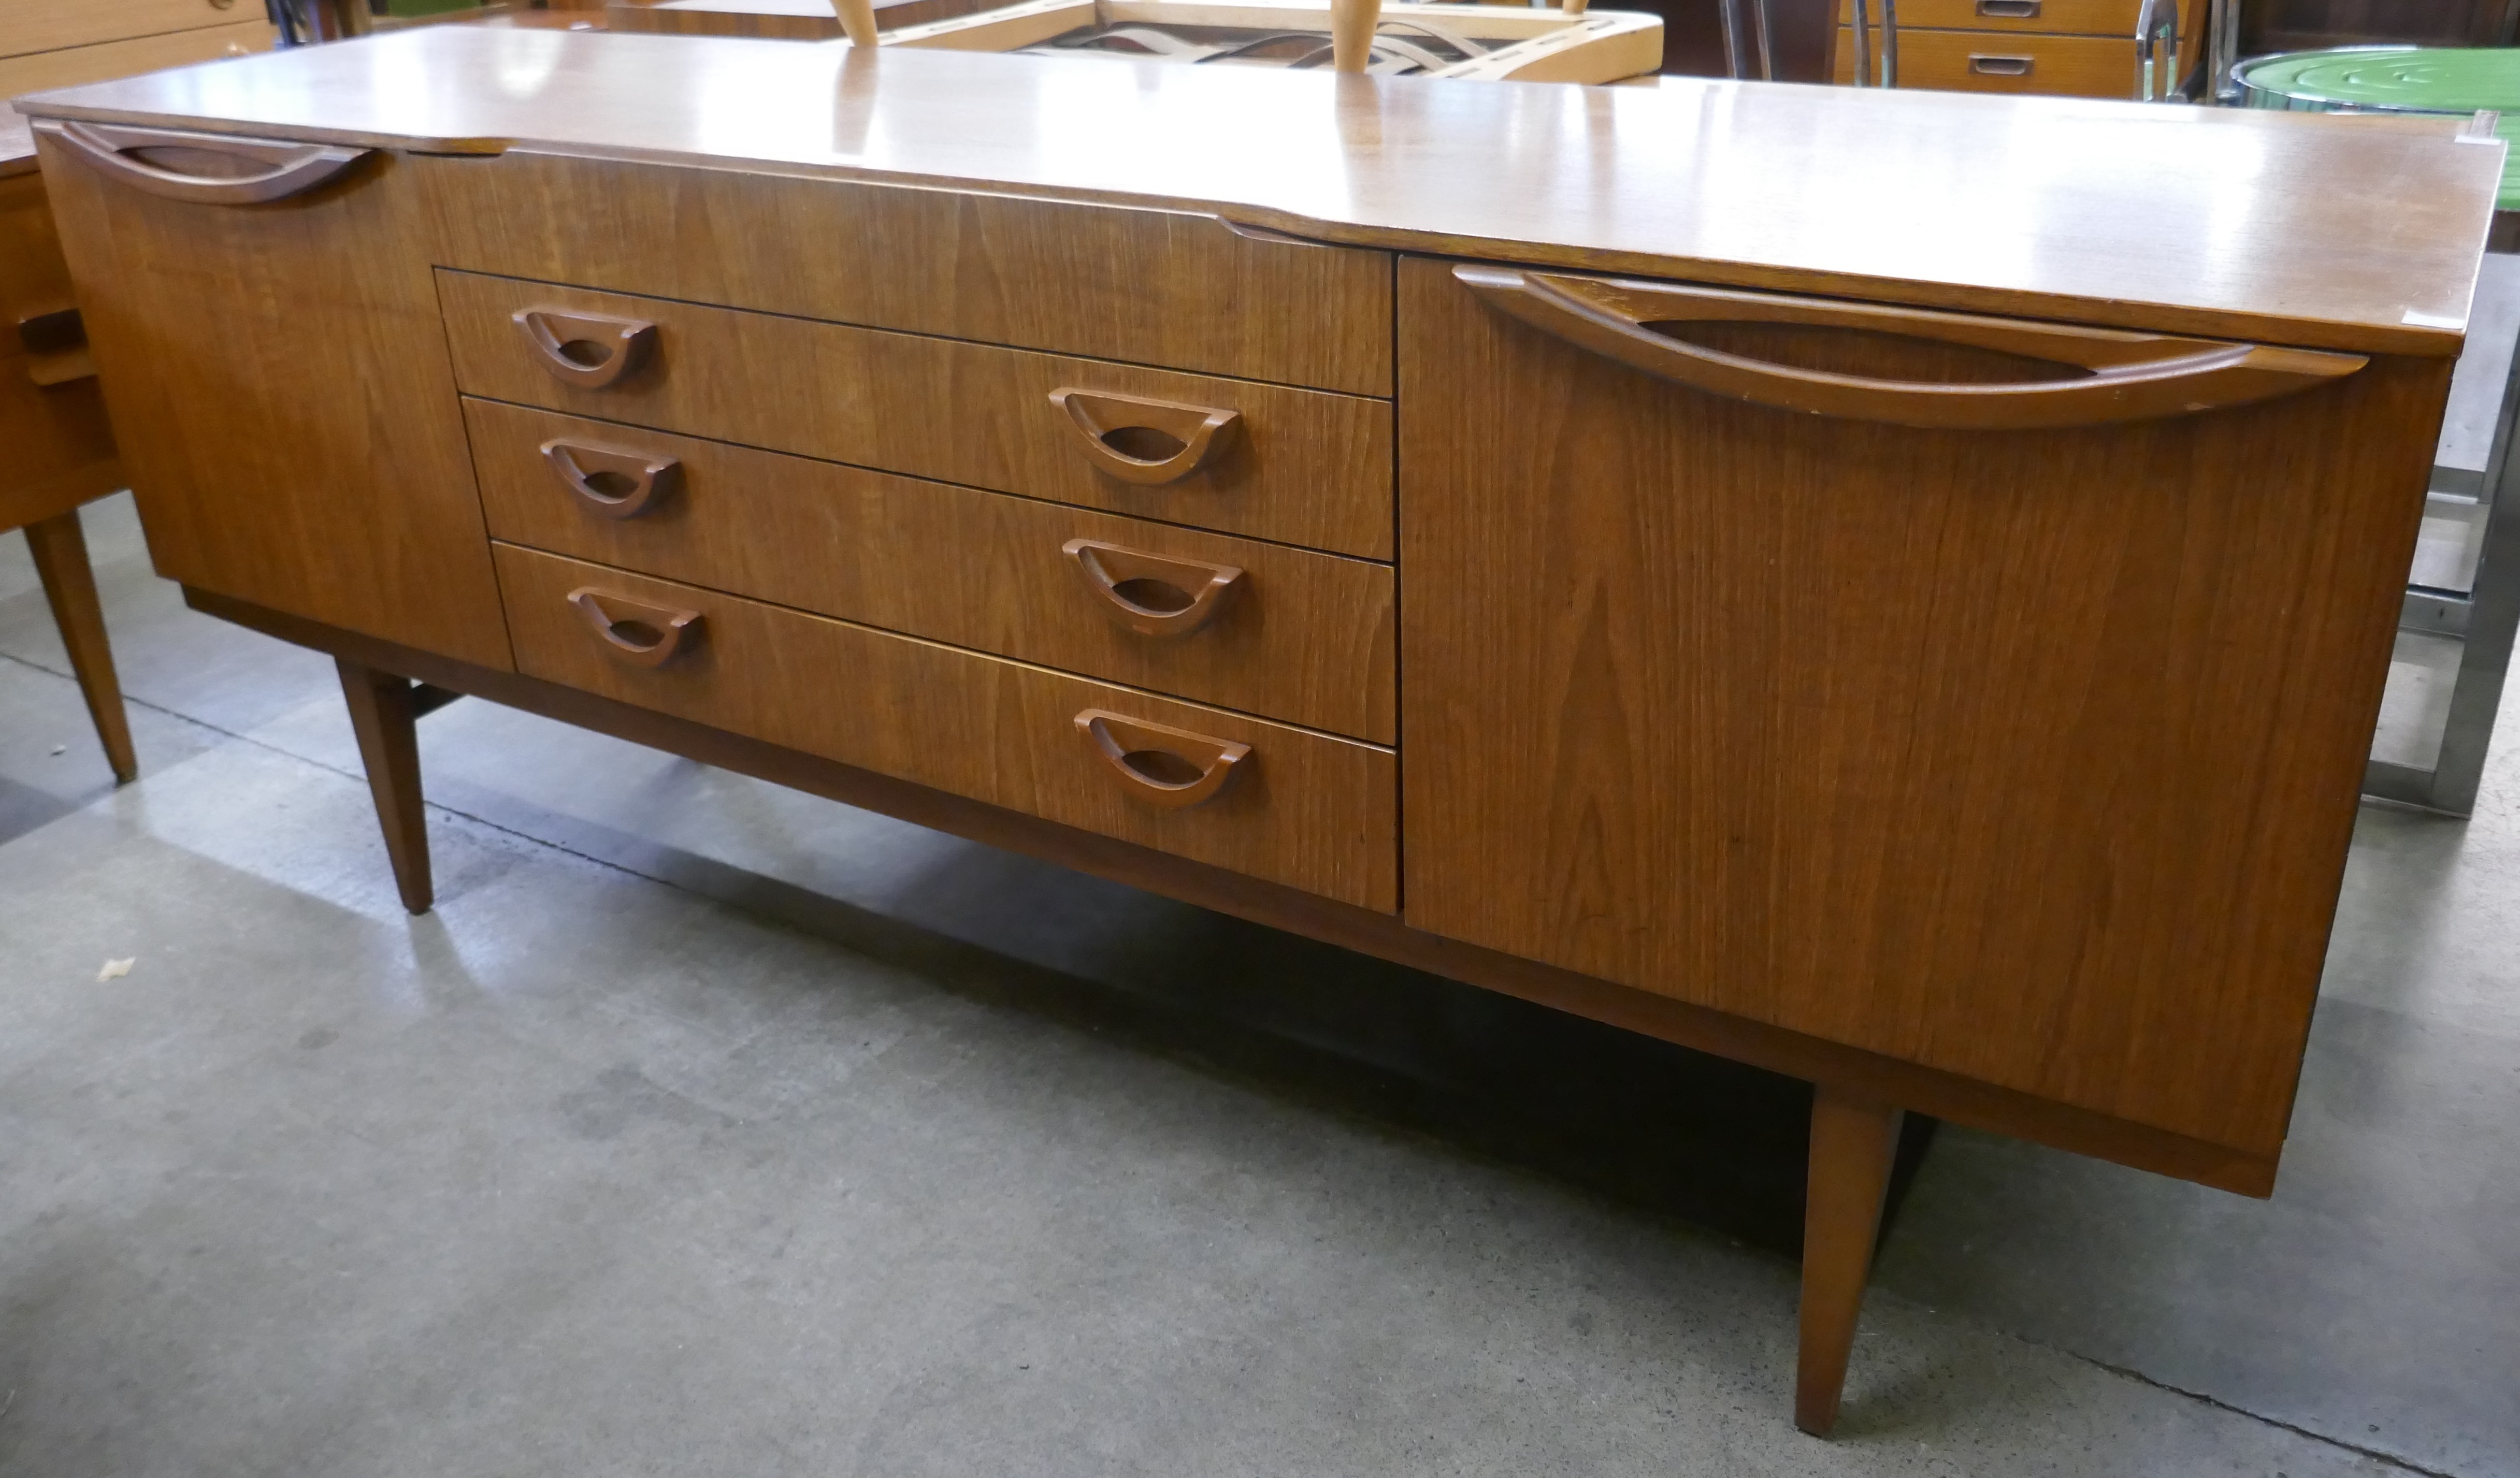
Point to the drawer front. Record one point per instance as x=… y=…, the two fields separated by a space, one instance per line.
x=29 y=25
x=1298 y=808
x=74 y=65
x=1150 y=287
x=1294 y=635
x=2054 y=18
x=1959 y=61
x=1301 y=467
x=60 y=449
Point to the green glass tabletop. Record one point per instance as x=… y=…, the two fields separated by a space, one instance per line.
x=2402 y=80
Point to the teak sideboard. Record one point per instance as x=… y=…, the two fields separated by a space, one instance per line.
x=1894 y=588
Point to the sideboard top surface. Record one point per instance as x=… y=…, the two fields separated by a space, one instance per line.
x=17 y=144
x=2359 y=233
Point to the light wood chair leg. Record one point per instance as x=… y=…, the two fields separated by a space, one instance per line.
x=383 y=709
x=59 y=547
x=1853 y=1141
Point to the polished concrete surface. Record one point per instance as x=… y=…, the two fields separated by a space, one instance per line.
x=708 y=1128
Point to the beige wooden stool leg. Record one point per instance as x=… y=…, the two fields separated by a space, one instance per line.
x=1853 y=1141
x=59 y=547
x=383 y=709
x=1352 y=26
x=857 y=19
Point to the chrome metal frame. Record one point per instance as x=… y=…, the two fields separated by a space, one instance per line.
x=1863 y=26
x=2156 y=31
x=2483 y=619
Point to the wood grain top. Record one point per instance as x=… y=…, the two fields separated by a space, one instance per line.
x=2330 y=232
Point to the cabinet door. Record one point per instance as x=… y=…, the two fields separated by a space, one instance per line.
x=265 y=324
x=2029 y=752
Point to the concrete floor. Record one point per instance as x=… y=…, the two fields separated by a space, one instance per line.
x=710 y=1129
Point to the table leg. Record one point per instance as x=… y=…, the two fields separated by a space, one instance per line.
x=59 y=547
x=383 y=710
x=1853 y=1141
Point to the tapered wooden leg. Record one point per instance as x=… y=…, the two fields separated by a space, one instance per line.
x=1853 y=1141
x=382 y=710
x=59 y=547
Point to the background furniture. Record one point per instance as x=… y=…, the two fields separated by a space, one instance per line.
x=59 y=450
x=1946 y=686
x=2137 y=49
x=46 y=43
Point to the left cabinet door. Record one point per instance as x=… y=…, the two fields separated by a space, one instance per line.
x=265 y=324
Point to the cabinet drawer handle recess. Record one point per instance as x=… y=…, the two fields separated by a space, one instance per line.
x=634 y=631
x=2128 y=376
x=203 y=168
x=2009 y=10
x=2000 y=66
x=1145 y=441
x=587 y=350
x=1161 y=765
x=607 y=480
x=1149 y=594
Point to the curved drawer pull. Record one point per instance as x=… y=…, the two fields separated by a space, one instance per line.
x=231 y=171
x=1153 y=595
x=616 y=483
x=1147 y=441
x=634 y=631
x=1163 y=766
x=590 y=350
x=2132 y=376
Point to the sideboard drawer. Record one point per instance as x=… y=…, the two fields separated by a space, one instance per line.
x=33 y=25
x=2053 y=18
x=1292 y=807
x=1264 y=628
x=1301 y=467
x=1152 y=287
x=1962 y=61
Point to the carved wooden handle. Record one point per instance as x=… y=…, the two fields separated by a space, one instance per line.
x=1153 y=595
x=1147 y=441
x=205 y=169
x=610 y=481
x=590 y=350
x=634 y=631
x=2132 y=376
x=1163 y=766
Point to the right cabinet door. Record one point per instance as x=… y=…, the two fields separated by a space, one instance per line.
x=1989 y=694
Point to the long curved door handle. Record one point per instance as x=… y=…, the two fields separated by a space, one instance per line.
x=610 y=481
x=589 y=350
x=1138 y=439
x=1152 y=595
x=2129 y=377
x=1158 y=764
x=634 y=631
x=232 y=171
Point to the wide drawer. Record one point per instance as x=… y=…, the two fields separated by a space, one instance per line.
x=2059 y=18
x=27 y=26
x=40 y=71
x=1301 y=467
x=1960 y=60
x=1296 y=807
x=1265 y=628
x=1151 y=286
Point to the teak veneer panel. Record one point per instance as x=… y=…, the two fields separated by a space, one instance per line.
x=288 y=415
x=1306 y=810
x=2202 y=221
x=72 y=65
x=1307 y=467
x=1306 y=636
x=2029 y=756
x=1150 y=287
x=56 y=446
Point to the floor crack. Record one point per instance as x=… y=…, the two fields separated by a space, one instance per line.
x=2392 y=1459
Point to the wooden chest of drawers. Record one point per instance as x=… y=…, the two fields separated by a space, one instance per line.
x=1928 y=651
x=2069 y=48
